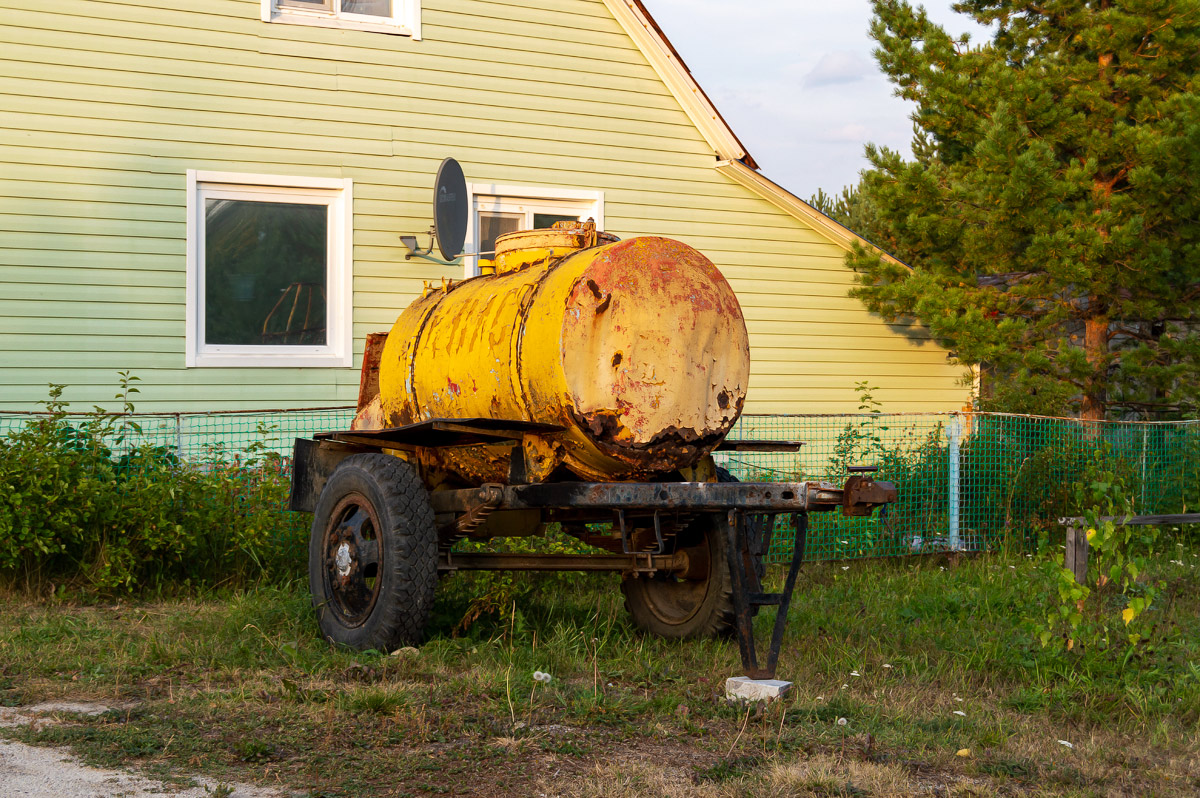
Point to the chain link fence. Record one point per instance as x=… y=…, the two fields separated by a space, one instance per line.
x=966 y=481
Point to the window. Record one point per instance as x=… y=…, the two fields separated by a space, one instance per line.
x=382 y=16
x=496 y=210
x=268 y=270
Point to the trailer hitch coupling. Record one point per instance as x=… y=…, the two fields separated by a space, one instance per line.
x=861 y=494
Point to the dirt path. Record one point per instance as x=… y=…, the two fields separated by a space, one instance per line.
x=30 y=771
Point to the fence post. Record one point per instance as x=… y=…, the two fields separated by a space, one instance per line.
x=1076 y=559
x=179 y=435
x=1145 y=442
x=953 y=434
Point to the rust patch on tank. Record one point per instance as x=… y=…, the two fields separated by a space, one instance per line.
x=368 y=385
x=670 y=449
x=369 y=416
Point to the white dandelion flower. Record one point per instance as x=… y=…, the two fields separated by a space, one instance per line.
x=842 y=721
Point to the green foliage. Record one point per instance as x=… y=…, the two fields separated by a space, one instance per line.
x=1108 y=610
x=1017 y=476
x=498 y=596
x=82 y=503
x=1049 y=210
x=917 y=463
x=860 y=441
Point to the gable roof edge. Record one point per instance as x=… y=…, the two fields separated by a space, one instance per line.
x=788 y=202
x=650 y=39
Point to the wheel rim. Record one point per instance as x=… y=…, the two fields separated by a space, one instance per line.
x=675 y=601
x=352 y=559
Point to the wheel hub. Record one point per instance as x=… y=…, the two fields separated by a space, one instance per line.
x=352 y=558
x=343 y=560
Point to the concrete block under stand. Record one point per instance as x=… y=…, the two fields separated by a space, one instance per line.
x=743 y=688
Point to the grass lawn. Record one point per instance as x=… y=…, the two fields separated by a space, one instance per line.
x=922 y=658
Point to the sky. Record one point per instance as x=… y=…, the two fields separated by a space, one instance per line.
x=796 y=81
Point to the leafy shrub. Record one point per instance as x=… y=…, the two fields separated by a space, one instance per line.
x=82 y=503
x=1107 y=610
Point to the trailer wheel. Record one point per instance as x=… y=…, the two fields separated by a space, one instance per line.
x=372 y=554
x=669 y=606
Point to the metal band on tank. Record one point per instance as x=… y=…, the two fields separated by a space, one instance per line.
x=518 y=373
x=412 y=365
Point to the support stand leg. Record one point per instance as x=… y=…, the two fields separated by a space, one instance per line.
x=743 y=578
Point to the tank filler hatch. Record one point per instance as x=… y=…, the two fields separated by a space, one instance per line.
x=516 y=251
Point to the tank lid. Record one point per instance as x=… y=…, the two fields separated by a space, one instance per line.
x=522 y=248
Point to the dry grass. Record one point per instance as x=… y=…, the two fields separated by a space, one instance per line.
x=243 y=689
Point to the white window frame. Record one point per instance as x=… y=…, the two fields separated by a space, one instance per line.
x=337 y=195
x=528 y=200
x=405 y=19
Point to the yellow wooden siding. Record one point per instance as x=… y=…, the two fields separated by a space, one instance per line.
x=105 y=105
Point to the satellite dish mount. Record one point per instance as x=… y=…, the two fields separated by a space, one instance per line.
x=450 y=211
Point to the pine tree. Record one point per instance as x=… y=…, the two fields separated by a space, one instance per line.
x=1051 y=210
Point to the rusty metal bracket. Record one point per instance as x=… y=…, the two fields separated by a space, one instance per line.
x=627 y=544
x=861 y=494
x=746 y=587
x=468 y=522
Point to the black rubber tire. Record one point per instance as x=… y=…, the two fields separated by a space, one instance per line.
x=389 y=607
x=674 y=608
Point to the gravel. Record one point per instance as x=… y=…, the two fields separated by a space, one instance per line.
x=31 y=771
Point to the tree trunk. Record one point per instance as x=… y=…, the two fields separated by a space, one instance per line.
x=1095 y=346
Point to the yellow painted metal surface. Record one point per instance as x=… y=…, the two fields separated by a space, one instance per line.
x=638 y=348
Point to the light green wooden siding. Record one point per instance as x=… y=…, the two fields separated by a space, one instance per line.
x=105 y=105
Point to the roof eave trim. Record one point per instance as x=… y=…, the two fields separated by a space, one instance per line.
x=648 y=37
x=788 y=202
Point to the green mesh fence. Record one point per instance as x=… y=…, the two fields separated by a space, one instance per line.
x=966 y=481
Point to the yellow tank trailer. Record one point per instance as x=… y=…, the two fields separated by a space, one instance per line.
x=583 y=383
x=637 y=349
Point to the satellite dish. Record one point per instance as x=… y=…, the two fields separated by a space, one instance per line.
x=450 y=209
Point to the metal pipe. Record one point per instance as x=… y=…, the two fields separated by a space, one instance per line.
x=449 y=561
x=953 y=433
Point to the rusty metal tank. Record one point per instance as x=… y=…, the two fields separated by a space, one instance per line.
x=637 y=348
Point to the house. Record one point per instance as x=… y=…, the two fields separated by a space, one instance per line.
x=140 y=141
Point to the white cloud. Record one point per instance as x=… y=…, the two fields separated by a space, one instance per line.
x=853 y=132
x=839 y=67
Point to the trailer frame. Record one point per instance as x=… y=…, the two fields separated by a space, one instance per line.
x=744 y=513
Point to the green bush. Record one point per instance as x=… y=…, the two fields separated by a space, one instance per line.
x=83 y=503
x=1107 y=610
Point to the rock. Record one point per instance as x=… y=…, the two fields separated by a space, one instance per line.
x=744 y=689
